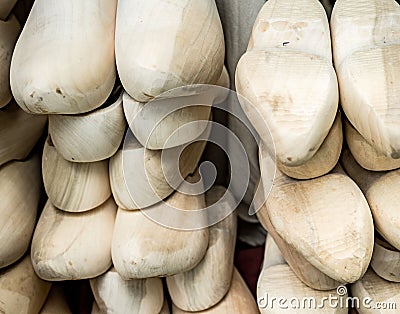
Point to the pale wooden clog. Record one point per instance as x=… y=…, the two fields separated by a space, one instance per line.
x=19 y=132
x=206 y=284
x=5 y=8
x=74 y=187
x=386 y=260
x=375 y=294
x=365 y=42
x=137 y=251
x=141 y=177
x=21 y=290
x=160 y=124
x=115 y=295
x=89 y=137
x=312 y=217
x=184 y=47
x=277 y=280
x=288 y=79
x=20 y=190
x=365 y=154
x=9 y=31
x=238 y=300
x=304 y=270
x=381 y=191
x=324 y=159
x=70 y=67
x=56 y=302
x=73 y=246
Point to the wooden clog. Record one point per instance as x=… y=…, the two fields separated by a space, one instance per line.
x=20 y=189
x=19 y=132
x=381 y=191
x=5 y=8
x=305 y=271
x=324 y=159
x=205 y=285
x=238 y=300
x=386 y=260
x=137 y=251
x=21 y=290
x=277 y=280
x=288 y=79
x=141 y=177
x=9 y=31
x=376 y=295
x=365 y=154
x=365 y=37
x=115 y=295
x=56 y=302
x=74 y=187
x=89 y=137
x=73 y=246
x=312 y=217
x=70 y=67
x=184 y=47
x=168 y=121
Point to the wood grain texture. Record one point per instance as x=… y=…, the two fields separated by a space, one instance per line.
x=142 y=177
x=365 y=40
x=277 y=280
x=365 y=154
x=74 y=187
x=304 y=270
x=56 y=302
x=185 y=46
x=70 y=67
x=381 y=191
x=160 y=124
x=205 y=285
x=9 y=31
x=377 y=290
x=115 y=295
x=19 y=132
x=20 y=189
x=21 y=290
x=73 y=246
x=324 y=159
x=143 y=248
x=238 y=300
x=386 y=261
x=288 y=78
x=89 y=137
x=314 y=219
